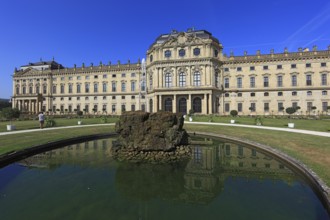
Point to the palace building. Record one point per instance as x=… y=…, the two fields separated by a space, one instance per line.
x=182 y=71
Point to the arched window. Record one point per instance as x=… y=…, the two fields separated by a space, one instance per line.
x=70 y=88
x=24 y=89
x=182 y=79
x=167 y=53
x=168 y=105
x=197 y=104
x=95 y=87
x=197 y=51
x=197 y=79
x=37 y=89
x=30 y=90
x=17 y=90
x=182 y=52
x=168 y=80
x=183 y=106
x=62 y=88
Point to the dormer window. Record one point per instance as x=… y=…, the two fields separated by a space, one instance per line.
x=167 y=53
x=182 y=52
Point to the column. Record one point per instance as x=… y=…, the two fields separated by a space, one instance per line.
x=160 y=103
x=204 y=104
x=157 y=78
x=161 y=76
x=205 y=76
x=189 y=102
x=210 y=104
x=174 y=104
x=188 y=78
x=175 y=75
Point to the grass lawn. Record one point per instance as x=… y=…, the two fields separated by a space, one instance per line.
x=312 y=150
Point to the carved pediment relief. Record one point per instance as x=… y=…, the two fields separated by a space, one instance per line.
x=168 y=70
x=182 y=70
x=196 y=68
x=182 y=39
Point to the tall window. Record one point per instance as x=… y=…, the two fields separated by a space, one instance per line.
x=113 y=86
x=197 y=79
x=54 y=89
x=226 y=82
x=279 y=81
x=143 y=85
x=44 y=89
x=62 y=88
x=197 y=105
x=24 y=90
x=239 y=82
x=252 y=82
x=240 y=107
x=324 y=106
x=70 y=88
x=253 y=107
x=266 y=106
x=309 y=106
x=123 y=87
x=182 y=79
x=294 y=80
x=168 y=105
x=280 y=106
x=308 y=80
x=78 y=88
x=95 y=87
x=324 y=79
x=17 y=90
x=113 y=108
x=37 y=89
x=30 y=89
x=227 y=107
x=133 y=86
x=87 y=88
x=168 y=80
x=266 y=81
x=104 y=87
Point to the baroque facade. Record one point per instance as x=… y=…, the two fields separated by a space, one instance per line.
x=182 y=71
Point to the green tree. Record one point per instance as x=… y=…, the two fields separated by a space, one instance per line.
x=10 y=113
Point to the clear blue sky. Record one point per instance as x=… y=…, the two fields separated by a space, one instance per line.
x=106 y=30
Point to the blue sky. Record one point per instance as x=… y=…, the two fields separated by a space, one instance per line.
x=91 y=31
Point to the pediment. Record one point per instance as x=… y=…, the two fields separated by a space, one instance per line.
x=182 y=39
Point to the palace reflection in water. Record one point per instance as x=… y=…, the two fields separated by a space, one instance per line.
x=198 y=181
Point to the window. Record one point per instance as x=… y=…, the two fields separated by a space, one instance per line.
x=309 y=93
x=123 y=108
x=294 y=93
x=87 y=98
x=309 y=106
x=308 y=80
x=168 y=80
x=123 y=75
x=123 y=97
x=86 y=77
x=37 y=89
x=96 y=76
x=226 y=69
x=44 y=89
x=104 y=87
x=70 y=88
x=294 y=80
x=24 y=90
x=78 y=88
x=113 y=87
x=167 y=53
x=113 y=75
x=87 y=88
x=62 y=88
x=197 y=79
x=239 y=69
x=323 y=64
x=279 y=81
x=182 y=79
x=239 y=94
x=113 y=97
x=197 y=105
x=280 y=94
x=266 y=106
x=62 y=78
x=279 y=67
x=239 y=82
x=252 y=82
x=133 y=74
x=252 y=68
x=133 y=108
x=252 y=94
x=216 y=53
x=95 y=97
x=280 y=106
x=133 y=97
x=266 y=81
x=105 y=76
x=239 y=107
x=253 y=107
x=133 y=86
x=308 y=65
x=294 y=104
x=123 y=87
x=197 y=51
x=293 y=66
x=226 y=94
x=266 y=94
x=182 y=52
x=54 y=89
x=30 y=90
x=168 y=105
x=226 y=82
x=324 y=92
x=113 y=108
x=265 y=67
x=151 y=58
x=95 y=87
x=227 y=107
x=324 y=79
x=324 y=106
x=17 y=90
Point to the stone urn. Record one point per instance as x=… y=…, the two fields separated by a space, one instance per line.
x=232 y=121
x=291 y=125
x=11 y=127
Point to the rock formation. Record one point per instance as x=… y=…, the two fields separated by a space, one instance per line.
x=151 y=136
